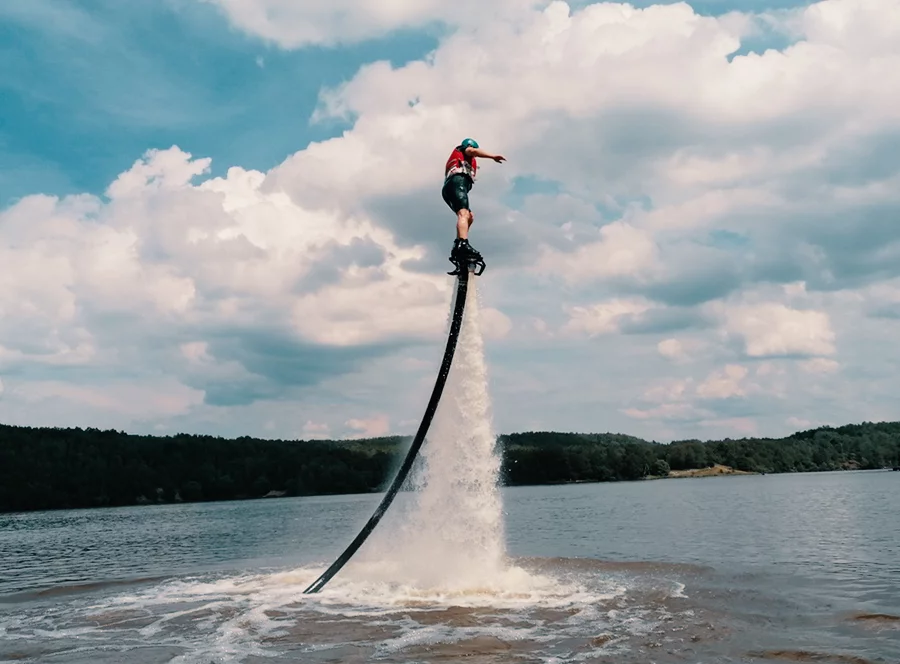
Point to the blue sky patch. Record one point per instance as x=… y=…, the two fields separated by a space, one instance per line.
x=90 y=86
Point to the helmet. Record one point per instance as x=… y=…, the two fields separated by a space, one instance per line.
x=469 y=143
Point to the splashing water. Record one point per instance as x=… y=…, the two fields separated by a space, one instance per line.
x=450 y=534
x=457 y=526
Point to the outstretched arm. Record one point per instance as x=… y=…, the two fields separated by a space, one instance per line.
x=478 y=152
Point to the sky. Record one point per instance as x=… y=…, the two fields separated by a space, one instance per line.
x=224 y=216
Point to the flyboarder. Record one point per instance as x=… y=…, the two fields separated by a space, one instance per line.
x=459 y=176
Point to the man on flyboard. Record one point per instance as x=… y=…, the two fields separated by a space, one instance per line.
x=459 y=176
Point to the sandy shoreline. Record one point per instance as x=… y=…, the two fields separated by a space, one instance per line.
x=715 y=471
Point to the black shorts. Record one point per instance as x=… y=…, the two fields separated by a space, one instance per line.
x=456 y=192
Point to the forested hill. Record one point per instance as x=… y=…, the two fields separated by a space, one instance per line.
x=46 y=468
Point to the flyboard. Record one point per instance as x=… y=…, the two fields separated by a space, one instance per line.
x=463 y=267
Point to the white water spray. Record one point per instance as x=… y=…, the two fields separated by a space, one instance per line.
x=450 y=535
x=457 y=524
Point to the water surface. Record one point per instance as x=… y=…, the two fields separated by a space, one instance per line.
x=774 y=568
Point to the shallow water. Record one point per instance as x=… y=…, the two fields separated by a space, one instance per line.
x=737 y=569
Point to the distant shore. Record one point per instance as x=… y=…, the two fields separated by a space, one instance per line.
x=54 y=468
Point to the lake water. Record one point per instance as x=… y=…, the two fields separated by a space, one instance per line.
x=772 y=568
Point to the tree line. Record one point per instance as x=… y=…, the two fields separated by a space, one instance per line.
x=52 y=468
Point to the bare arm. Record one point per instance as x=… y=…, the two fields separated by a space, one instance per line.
x=477 y=152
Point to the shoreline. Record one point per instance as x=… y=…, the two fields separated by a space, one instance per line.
x=718 y=470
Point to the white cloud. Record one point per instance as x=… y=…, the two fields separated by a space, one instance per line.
x=602 y=318
x=723 y=384
x=798 y=423
x=313 y=430
x=668 y=391
x=665 y=412
x=819 y=365
x=773 y=329
x=196 y=351
x=687 y=400
x=672 y=349
x=158 y=170
x=621 y=251
x=860 y=28
x=292 y=24
x=593 y=93
x=527 y=78
x=770 y=368
x=90 y=282
x=686 y=178
x=540 y=327
x=146 y=400
x=494 y=323
x=582 y=88
x=371 y=427
x=720 y=384
x=797 y=289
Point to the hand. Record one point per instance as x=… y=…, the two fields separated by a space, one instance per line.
x=499 y=158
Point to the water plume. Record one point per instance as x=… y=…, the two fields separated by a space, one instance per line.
x=449 y=533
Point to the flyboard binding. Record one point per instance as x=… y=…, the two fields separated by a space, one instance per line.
x=466 y=261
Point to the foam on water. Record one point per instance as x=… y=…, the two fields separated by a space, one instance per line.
x=231 y=619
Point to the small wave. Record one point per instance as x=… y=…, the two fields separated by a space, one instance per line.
x=679 y=590
x=597 y=565
x=808 y=656
x=75 y=588
x=877 y=617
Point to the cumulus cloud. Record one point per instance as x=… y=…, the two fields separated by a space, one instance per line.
x=723 y=384
x=699 y=199
x=621 y=251
x=603 y=318
x=819 y=365
x=293 y=24
x=220 y=284
x=667 y=412
x=773 y=329
x=151 y=399
x=371 y=427
x=313 y=430
x=494 y=323
x=672 y=349
x=669 y=391
x=719 y=400
x=799 y=423
x=619 y=105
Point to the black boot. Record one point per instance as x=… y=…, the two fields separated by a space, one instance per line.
x=457 y=256
x=464 y=256
x=466 y=250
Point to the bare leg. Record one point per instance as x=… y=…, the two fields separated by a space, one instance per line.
x=464 y=219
